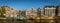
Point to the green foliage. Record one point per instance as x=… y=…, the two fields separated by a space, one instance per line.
x=2 y=11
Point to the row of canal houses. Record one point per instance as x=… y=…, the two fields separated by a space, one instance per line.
x=47 y=11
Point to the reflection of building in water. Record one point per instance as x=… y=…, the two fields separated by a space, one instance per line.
x=47 y=21
x=49 y=10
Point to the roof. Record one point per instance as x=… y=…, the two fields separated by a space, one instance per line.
x=50 y=6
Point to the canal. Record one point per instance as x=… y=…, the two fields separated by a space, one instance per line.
x=27 y=21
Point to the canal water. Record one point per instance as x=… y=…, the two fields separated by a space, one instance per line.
x=27 y=21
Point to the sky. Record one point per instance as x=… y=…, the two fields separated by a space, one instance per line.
x=28 y=4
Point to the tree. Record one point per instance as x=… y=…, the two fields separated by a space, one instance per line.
x=2 y=11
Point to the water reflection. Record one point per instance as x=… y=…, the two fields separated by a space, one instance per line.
x=27 y=21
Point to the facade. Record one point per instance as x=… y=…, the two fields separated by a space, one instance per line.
x=7 y=10
x=39 y=11
x=10 y=12
x=13 y=12
x=58 y=11
x=49 y=11
x=31 y=13
x=42 y=13
x=19 y=13
x=28 y=13
x=23 y=13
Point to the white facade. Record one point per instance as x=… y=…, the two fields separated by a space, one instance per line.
x=29 y=13
x=50 y=11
